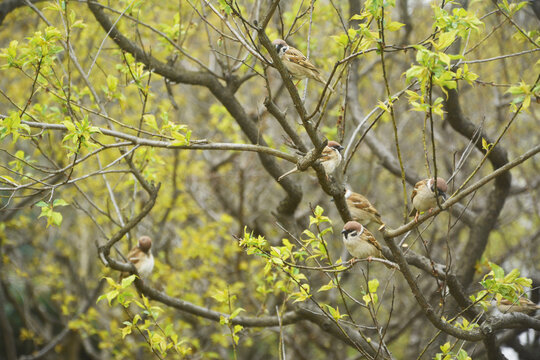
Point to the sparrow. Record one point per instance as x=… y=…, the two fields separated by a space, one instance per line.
x=361 y=209
x=297 y=64
x=423 y=196
x=524 y=305
x=141 y=257
x=330 y=159
x=359 y=242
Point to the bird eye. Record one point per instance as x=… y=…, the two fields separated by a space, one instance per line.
x=354 y=233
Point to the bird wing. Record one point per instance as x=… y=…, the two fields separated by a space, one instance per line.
x=371 y=239
x=417 y=187
x=135 y=256
x=361 y=202
x=295 y=56
x=326 y=154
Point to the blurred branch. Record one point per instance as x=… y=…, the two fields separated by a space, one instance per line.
x=104 y=250
x=8 y=6
x=499 y=57
x=291 y=317
x=269 y=14
x=169 y=144
x=429 y=312
x=485 y=221
x=387 y=159
x=500 y=172
x=7 y=330
x=330 y=327
x=280 y=117
x=90 y=302
x=225 y=95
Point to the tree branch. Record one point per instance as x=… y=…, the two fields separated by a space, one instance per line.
x=487 y=218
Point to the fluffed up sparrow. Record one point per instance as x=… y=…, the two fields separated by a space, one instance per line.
x=423 y=196
x=361 y=209
x=297 y=64
x=330 y=159
x=141 y=256
x=524 y=305
x=359 y=242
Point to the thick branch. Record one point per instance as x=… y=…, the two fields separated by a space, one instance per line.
x=223 y=94
x=487 y=218
x=472 y=335
x=291 y=317
x=8 y=6
x=7 y=330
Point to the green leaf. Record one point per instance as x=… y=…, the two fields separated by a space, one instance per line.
x=112 y=83
x=150 y=120
x=111 y=295
x=445 y=348
x=221 y=296
x=104 y=296
x=128 y=281
x=373 y=285
x=60 y=202
x=56 y=218
x=485 y=145
x=445 y=58
x=445 y=40
x=342 y=39
x=394 y=26
x=236 y=312
x=367 y=299
x=69 y=125
x=511 y=276
x=126 y=330
x=498 y=272
x=328 y=286
x=525 y=282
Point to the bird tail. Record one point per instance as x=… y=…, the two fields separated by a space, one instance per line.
x=320 y=79
x=413 y=212
x=288 y=173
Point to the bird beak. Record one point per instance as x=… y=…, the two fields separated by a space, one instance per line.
x=343 y=232
x=443 y=195
x=340 y=148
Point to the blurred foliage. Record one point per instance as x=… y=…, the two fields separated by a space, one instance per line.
x=216 y=241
